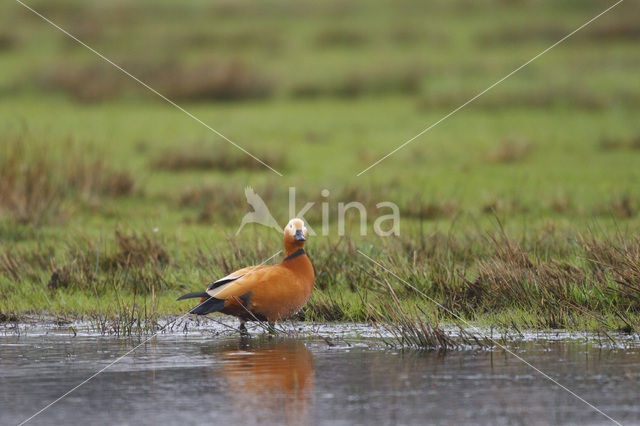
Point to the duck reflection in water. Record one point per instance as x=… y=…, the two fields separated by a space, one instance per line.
x=269 y=381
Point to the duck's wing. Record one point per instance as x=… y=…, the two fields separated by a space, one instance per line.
x=221 y=282
x=233 y=276
x=234 y=286
x=245 y=283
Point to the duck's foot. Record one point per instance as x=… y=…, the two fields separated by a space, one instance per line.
x=243 y=329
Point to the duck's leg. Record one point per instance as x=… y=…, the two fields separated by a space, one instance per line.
x=243 y=328
x=272 y=329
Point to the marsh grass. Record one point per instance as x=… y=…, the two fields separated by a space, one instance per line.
x=353 y=84
x=511 y=151
x=619 y=29
x=472 y=274
x=496 y=274
x=328 y=306
x=8 y=41
x=622 y=206
x=222 y=203
x=429 y=210
x=220 y=80
x=539 y=98
x=204 y=157
x=611 y=143
x=410 y=327
x=126 y=282
x=213 y=80
x=36 y=181
x=332 y=37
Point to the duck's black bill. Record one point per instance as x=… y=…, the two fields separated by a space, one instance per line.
x=298 y=235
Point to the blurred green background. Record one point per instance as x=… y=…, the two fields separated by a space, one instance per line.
x=318 y=90
x=321 y=91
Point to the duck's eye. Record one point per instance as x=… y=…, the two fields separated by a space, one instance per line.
x=291 y=226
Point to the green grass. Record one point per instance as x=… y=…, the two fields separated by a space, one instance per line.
x=321 y=91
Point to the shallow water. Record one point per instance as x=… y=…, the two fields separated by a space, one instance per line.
x=218 y=378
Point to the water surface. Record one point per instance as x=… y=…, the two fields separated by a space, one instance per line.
x=202 y=377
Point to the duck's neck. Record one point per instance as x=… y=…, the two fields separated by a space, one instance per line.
x=294 y=254
x=291 y=247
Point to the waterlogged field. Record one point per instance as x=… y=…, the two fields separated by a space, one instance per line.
x=183 y=378
x=521 y=211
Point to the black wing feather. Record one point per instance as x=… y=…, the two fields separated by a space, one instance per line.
x=223 y=282
x=210 y=305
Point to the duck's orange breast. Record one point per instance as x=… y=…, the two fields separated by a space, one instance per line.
x=287 y=292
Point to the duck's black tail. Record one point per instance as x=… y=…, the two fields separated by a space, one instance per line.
x=194 y=295
x=207 y=306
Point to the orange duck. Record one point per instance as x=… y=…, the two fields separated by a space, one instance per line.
x=263 y=292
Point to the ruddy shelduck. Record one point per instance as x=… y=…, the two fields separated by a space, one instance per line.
x=264 y=292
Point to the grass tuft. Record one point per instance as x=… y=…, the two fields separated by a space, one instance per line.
x=611 y=144
x=205 y=157
x=36 y=182
x=206 y=80
x=511 y=151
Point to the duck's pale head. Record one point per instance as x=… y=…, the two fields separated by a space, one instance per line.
x=295 y=234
